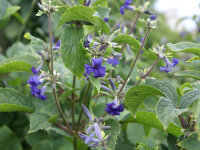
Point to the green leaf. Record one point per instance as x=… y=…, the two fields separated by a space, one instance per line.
x=166 y=111
x=38 y=121
x=189 y=98
x=18 y=63
x=190 y=74
x=193 y=59
x=12 y=100
x=190 y=143
x=168 y=90
x=33 y=39
x=185 y=88
x=8 y=140
x=147 y=130
x=100 y=2
x=126 y=39
x=142 y=146
x=44 y=145
x=187 y=47
x=95 y=82
x=149 y=118
x=72 y=51
x=63 y=97
x=103 y=11
x=86 y=14
x=114 y=131
x=136 y=96
x=172 y=142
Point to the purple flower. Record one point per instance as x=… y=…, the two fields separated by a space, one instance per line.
x=88 y=3
x=38 y=93
x=34 y=81
x=113 y=61
x=105 y=88
x=35 y=71
x=169 y=64
x=112 y=84
x=88 y=139
x=88 y=41
x=126 y=6
x=106 y=19
x=97 y=130
x=86 y=111
x=97 y=68
x=153 y=17
x=113 y=108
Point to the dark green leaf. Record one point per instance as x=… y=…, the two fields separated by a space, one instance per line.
x=136 y=96
x=95 y=82
x=18 y=63
x=72 y=51
x=12 y=100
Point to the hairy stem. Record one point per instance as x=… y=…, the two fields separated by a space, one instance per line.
x=26 y=20
x=53 y=79
x=148 y=72
x=132 y=29
x=135 y=61
x=84 y=101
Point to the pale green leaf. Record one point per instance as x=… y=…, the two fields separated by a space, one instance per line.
x=189 y=74
x=95 y=82
x=166 y=111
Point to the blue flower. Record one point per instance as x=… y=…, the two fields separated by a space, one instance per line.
x=97 y=68
x=153 y=17
x=87 y=113
x=106 y=19
x=34 y=81
x=88 y=3
x=113 y=61
x=169 y=64
x=113 y=108
x=88 y=41
x=126 y=6
x=89 y=139
x=35 y=71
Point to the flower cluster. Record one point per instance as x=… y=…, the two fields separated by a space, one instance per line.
x=95 y=132
x=114 y=108
x=126 y=6
x=35 y=81
x=160 y=52
x=47 y=7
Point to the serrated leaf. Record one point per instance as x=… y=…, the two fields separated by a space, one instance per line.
x=38 y=121
x=187 y=47
x=18 y=63
x=189 y=98
x=11 y=100
x=166 y=111
x=95 y=82
x=114 y=131
x=168 y=90
x=149 y=118
x=190 y=74
x=86 y=14
x=190 y=143
x=136 y=96
x=72 y=51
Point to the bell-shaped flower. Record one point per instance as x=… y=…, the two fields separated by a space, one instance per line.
x=169 y=64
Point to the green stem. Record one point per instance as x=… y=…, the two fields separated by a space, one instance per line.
x=132 y=29
x=135 y=61
x=26 y=20
x=53 y=79
x=84 y=101
x=148 y=72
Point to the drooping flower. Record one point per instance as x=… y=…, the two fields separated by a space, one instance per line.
x=113 y=108
x=35 y=71
x=169 y=64
x=97 y=68
x=126 y=6
x=88 y=3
